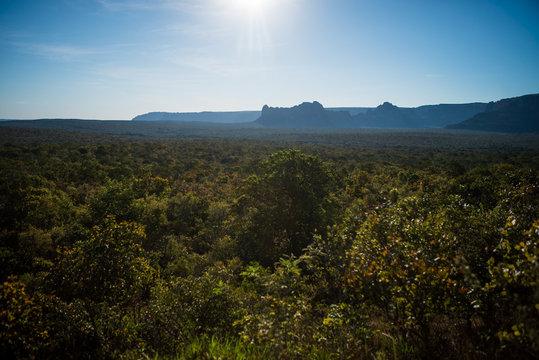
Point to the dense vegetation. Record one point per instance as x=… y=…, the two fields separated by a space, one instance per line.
x=237 y=249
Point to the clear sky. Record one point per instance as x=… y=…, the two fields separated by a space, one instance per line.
x=114 y=59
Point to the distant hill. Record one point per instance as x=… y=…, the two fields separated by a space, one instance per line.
x=314 y=114
x=445 y=114
x=388 y=115
x=518 y=114
x=351 y=110
x=205 y=116
x=304 y=115
x=514 y=115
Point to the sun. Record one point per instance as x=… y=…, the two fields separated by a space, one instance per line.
x=253 y=8
x=252 y=21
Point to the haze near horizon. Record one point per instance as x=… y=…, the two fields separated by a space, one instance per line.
x=114 y=59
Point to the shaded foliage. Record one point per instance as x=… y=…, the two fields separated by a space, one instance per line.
x=243 y=249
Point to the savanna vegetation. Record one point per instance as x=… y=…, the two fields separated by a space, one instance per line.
x=237 y=249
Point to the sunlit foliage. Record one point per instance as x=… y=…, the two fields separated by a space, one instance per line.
x=208 y=249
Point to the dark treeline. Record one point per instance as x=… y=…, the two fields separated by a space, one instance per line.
x=88 y=131
x=243 y=249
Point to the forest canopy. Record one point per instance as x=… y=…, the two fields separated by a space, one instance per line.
x=244 y=249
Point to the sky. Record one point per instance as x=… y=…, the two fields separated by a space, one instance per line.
x=115 y=59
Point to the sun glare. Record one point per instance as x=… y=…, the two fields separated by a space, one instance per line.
x=253 y=20
x=253 y=8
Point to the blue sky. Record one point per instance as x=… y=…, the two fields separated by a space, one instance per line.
x=114 y=59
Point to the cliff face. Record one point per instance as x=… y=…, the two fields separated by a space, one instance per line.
x=445 y=114
x=514 y=115
x=518 y=114
x=304 y=115
x=388 y=115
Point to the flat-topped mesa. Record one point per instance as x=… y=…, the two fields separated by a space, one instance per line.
x=520 y=114
x=303 y=115
x=204 y=116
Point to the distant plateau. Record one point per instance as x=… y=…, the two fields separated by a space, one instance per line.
x=513 y=115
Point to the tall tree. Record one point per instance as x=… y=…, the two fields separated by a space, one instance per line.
x=284 y=205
